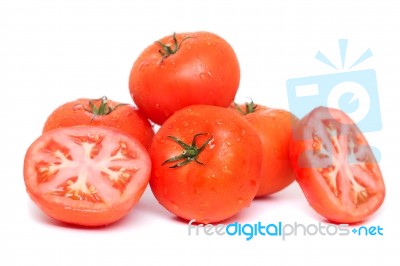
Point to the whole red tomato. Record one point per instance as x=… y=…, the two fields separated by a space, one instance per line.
x=274 y=126
x=335 y=167
x=102 y=112
x=206 y=163
x=181 y=70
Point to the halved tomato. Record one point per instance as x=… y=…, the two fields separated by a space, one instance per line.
x=335 y=167
x=86 y=175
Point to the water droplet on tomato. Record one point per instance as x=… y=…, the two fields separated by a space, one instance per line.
x=253 y=183
x=175 y=206
x=212 y=145
x=205 y=75
x=240 y=201
x=165 y=191
x=157 y=106
x=206 y=221
x=143 y=66
x=77 y=107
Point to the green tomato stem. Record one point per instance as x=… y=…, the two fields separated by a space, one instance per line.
x=168 y=49
x=190 y=152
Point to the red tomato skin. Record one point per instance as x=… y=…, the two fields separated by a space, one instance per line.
x=229 y=179
x=125 y=118
x=277 y=172
x=274 y=126
x=83 y=213
x=205 y=70
x=315 y=189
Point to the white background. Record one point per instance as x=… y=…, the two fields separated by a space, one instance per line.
x=56 y=51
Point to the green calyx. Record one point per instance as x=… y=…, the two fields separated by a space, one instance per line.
x=168 y=49
x=250 y=108
x=103 y=109
x=190 y=152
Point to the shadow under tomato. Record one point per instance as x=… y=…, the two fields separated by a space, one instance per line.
x=290 y=193
x=244 y=215
x=179 y=219
x=258 y=205
x=267 y=198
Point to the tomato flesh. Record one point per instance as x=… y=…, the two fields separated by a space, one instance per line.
x=335 y=167
x=86 y=175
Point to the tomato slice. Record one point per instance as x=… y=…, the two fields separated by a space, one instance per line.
x=86 y=175
x=335 y=166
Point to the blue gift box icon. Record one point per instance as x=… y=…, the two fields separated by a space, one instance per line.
x=354 y=92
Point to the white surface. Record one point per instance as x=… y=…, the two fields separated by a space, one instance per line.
x=56 y=51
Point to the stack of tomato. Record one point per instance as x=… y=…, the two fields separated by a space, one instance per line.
x=209 y=159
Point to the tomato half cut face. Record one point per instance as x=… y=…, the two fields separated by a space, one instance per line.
x=335 y=167
x=86 y=175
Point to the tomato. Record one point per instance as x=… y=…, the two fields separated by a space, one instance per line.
x=181 y=70
x=86 y=175
x=206 y=163
x=274 y=126
x=335 y=167
x=102 y=112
